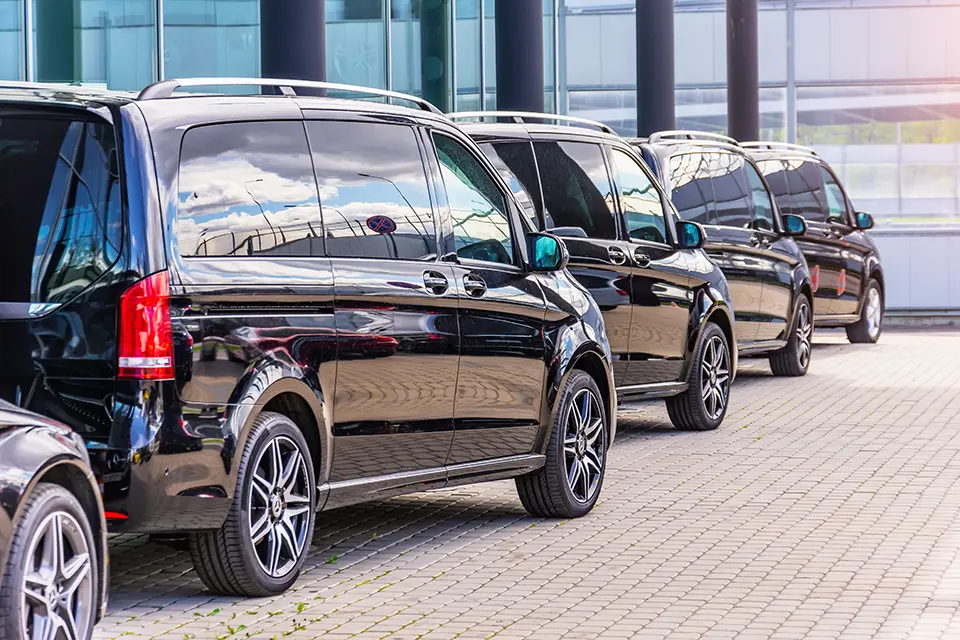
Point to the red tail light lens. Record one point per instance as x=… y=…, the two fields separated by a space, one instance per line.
x=145 y=340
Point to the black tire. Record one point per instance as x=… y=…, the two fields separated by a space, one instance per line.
x=228 y=560
x=46 y=503
x=794 y=359
x=863 y=331
x=547 y=492
x=689 y=411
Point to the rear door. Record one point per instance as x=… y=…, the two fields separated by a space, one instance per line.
x=578 y=194
x=799 y=189
x=61 y=215
x=501 y=310
x=396 y=305
x=660 y=281
x=251 y=289
x=744 y=261
x=702 y=188
x=843 y=237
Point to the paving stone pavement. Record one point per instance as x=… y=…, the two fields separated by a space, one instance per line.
x=823 y=507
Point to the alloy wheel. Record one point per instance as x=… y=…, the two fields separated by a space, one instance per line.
x=57 y=588
x=584 y=445
x=715 y=377
x=874 y=312
x=804 y=335
x=279 y=506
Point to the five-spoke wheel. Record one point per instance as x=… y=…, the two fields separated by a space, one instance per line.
x=279 y=506
x=715 y=376
x=49 y=589
x=868 y=328
x=265 y=540
x=584 y=445
x=569 y=483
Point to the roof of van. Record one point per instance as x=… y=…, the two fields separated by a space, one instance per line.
x=88 y=97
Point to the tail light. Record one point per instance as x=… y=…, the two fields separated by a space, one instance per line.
x=145 y=340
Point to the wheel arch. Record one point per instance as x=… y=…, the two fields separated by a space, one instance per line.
x=592 y=363
x=303 y=405
x=71 y=475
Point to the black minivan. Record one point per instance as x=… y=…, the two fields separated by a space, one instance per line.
x=256 y=307
x=845 y=269
x=713 y=181
x=666 y=306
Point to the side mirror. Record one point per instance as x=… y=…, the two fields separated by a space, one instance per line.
x=569 y=232
x=690 y=235
x=547 y=252
x=793 y=225
x=864 y=221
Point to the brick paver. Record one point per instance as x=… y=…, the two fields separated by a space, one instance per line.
x=824 y=507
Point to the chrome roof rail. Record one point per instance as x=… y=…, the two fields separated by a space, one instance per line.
x=692 y=135
x=165 y=88
x=782 y=146
x=520 y=117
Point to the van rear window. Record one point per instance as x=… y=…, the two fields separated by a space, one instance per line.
x=60 y=207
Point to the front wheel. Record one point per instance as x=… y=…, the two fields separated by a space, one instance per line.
x=703 y=405
x=868 y=328
x=568 y=485
x=794 y=359
x=262 y=546
x=49 y=587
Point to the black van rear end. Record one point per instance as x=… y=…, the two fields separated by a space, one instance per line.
x=76 y=252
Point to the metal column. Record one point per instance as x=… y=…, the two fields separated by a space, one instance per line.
x=791 y=71
x=656 y=109
x=436 y=66
x=743 y=70
x=292 y=42
x=520 y=55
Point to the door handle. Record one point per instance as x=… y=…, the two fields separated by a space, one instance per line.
x=617 y=255
x=435 y=282
x=474 y=285
x=642 y=259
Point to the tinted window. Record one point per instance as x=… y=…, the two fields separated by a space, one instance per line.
x=731 y=193
x=807 y=198
x=642 y=208
x=481 y=227
x=692 y=192
x=247 y=189
x=61 y=207
x=836 y=203
x=373 y=190
x=514 y=161
x=762 y=205
x=576 y=187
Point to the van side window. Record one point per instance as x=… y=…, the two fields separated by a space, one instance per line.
x=481 y=228
x=836 y=203
x=807 y=197
x=59 y=177
x=576 y=187
x=247 y=189
x=373 y=190
x=732 y=196
x=692 y=192
x=515 y=163
x=762 y=205
x=642 y=208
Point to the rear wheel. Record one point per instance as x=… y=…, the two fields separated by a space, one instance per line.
x=794 y=359
x=262 y=546
x=870 y=325
x=703 y=405
x=568 y=485
x=49 y=587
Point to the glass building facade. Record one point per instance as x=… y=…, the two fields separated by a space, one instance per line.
x=127 y=44
x=874 y=84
